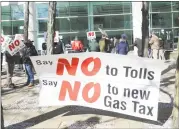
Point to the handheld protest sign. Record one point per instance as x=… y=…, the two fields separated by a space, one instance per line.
x=15 y=47
x=91 y=35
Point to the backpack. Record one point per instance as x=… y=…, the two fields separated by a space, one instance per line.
x=57 y=48
x=102 y=45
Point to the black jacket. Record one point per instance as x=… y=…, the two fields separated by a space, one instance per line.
x=28 y=51
x=58 y=48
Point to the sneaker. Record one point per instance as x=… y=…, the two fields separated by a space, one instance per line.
x=30 y=85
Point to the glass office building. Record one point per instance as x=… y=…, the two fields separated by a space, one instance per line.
x=76 y=18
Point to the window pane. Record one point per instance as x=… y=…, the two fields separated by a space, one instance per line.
x=100 y=8
x=121 y=22
x=63 y=25
x=163 y=20
x=78 y=8
x=42 y=26
x=18 y=27
x=176 y=19
x=161 y=6
x=7 y=27
x=17 y=12
x=6 y=12
x=42 y=10
x=175 y=6
x=120 y=7
x=63 y=9
x=101 y=22
x=79 y=24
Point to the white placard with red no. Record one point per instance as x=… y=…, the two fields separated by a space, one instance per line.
x=15 y=47
x=91 y=35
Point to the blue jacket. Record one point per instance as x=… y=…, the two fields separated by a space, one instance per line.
x=122 y=48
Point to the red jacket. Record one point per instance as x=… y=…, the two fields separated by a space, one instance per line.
x=77 y=45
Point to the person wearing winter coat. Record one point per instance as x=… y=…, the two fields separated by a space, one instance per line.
x=29 y=50
x=93 y=46
x=155 y=46
x=138 y=44
x=122 y=48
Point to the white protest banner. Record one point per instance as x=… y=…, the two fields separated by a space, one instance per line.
x=15 y=47
x=108 y=80
x=19 y=36
x=56 y=38
x=91 y=35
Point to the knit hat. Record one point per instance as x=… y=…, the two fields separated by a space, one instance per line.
x=124 y=36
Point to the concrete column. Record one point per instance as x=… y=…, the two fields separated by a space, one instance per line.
x=32 y=30
x=137 y=20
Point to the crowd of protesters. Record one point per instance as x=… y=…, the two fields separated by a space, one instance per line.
x=115 y=45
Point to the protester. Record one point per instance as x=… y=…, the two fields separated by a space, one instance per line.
x=155 y=46
x=10 y=68
x=102 y=43
x=57 y=48
x=122 y=48
x=93 y=46
x=1 y=60
x=28 y=51
x=77 y=45
x=138 y=44
x=115 y=42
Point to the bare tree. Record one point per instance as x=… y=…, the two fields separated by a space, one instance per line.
x=175 y=112
x=51 y=26
x=26 y=21
x=145 y=28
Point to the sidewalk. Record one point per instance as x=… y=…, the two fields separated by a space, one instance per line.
x=21 y=110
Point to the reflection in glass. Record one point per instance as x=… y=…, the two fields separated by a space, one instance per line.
x=17 y=27
x=175 y=6
x=78 y=8
x=176 y=19
x=17 y=12
x=79 y=24
x=100 y=8
x=42 y=10
x=63 y=24
x=121 y=21
x=7 y=27
x=161 y=6
x=6 y=12
x=42 y=26
x=62 y=9
x=163 y=20
x=102 y=22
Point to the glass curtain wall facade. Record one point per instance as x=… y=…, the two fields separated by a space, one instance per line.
x=165 y=16
x=12 y=19
x=77 y=18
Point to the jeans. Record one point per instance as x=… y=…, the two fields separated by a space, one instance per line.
x=29 y=73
